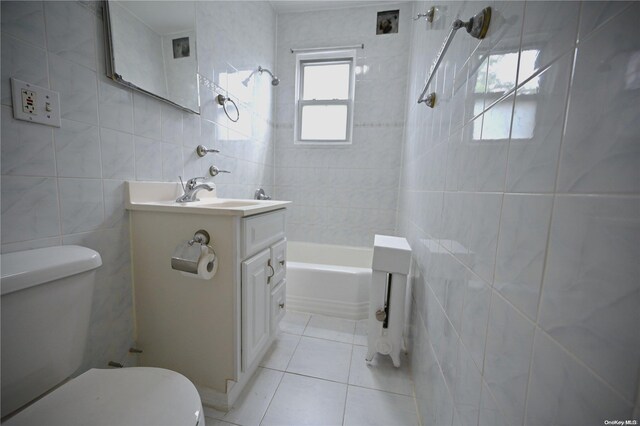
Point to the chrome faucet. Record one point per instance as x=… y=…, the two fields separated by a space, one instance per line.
x=191 y=189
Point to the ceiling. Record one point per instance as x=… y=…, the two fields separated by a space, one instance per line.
x=287 y=6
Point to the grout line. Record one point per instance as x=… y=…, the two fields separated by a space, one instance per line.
x=581 y=363
x=58 y=195
x=53 y=138
x=435 y=356
x=293 y=353
x=485 y=386
x=346 y=394
x=553 y=207
x=272 y=396
x=312 y=377
x=603 y=24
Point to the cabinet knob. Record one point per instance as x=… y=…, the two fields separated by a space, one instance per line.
x=282 y=262
x=281 y=305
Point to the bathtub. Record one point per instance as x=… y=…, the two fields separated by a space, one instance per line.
x=328 y=280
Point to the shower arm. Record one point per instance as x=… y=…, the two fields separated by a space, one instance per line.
x=261 y=70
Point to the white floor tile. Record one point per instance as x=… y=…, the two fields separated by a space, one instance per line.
x=330 y=328
x=279 y=354
x=212 y=413
x=321 y=358
x=306 y=401
x=292 y=398
x=380 y=374
x=254 y=400
x=210 y=421
x=294 y=322
x=360 y=336
x=368 y=407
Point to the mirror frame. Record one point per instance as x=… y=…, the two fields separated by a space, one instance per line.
x=110 y=66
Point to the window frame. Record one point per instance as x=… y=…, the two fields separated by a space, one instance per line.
x=327 y=57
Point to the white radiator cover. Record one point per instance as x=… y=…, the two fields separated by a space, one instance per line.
x=391 y=265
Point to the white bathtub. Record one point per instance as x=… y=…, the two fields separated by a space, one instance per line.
x=328 y=280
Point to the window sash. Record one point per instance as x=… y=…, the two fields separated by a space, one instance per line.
x=322 y=62
x=347 y=102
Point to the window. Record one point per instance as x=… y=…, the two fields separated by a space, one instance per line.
x=324 y=97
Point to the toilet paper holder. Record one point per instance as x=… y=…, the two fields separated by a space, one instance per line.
x=201 y=236
x=188 y=255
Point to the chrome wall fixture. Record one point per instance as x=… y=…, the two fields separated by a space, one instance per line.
x=477 y=27
x=222 y=100
x=202 y=150
x=428 y=16
x=214 y=171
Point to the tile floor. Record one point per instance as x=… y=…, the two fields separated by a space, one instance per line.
x=315 y=374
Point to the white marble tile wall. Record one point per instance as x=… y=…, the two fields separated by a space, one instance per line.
x=344 y=195
x=520 y=198
x=66 y=185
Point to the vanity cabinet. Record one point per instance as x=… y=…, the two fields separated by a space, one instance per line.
x=214 y=331
x=263 y=285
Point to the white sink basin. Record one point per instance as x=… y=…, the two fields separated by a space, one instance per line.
x=161 y=196
x=230 y=203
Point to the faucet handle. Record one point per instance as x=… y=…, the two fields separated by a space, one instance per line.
x=202 y=150
x=194 y=181
x=214 y=171
x=261 y=195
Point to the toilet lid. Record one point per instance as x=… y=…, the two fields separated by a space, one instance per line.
x=127 y=396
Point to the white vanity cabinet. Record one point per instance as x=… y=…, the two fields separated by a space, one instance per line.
x=263 y=286
x=214 y=331
x=256 y=301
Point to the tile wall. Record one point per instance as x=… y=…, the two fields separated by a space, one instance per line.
x=520 y=197
x=66 y=185
x=345 y=194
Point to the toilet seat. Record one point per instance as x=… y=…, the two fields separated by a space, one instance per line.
x=118 y=397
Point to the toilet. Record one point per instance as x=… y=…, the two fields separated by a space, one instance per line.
x=46 y=306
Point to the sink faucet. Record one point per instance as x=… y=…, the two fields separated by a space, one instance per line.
x=191 y=189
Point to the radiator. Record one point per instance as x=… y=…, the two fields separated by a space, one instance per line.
x=391 y=265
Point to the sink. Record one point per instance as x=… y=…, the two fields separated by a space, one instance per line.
x=230 y=203
x=161 y=196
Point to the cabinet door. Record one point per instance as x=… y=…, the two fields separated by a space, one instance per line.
x=256 y=295
x=279 y=261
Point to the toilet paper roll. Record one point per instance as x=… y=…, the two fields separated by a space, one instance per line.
x=207 y=264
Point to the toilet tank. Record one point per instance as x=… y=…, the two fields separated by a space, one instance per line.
x=46 y=306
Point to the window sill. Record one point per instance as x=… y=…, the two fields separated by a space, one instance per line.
x=323 y=143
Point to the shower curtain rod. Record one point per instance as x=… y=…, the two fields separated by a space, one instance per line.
x=312 y=49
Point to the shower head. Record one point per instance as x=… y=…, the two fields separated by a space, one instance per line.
x=274 y=80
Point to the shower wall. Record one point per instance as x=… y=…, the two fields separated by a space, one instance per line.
x=344 y=194
x=66 y=185
x=520 y=198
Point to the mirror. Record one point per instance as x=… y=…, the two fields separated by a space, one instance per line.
x=152 y=48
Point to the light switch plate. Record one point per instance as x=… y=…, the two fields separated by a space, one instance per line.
x=34 y=103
